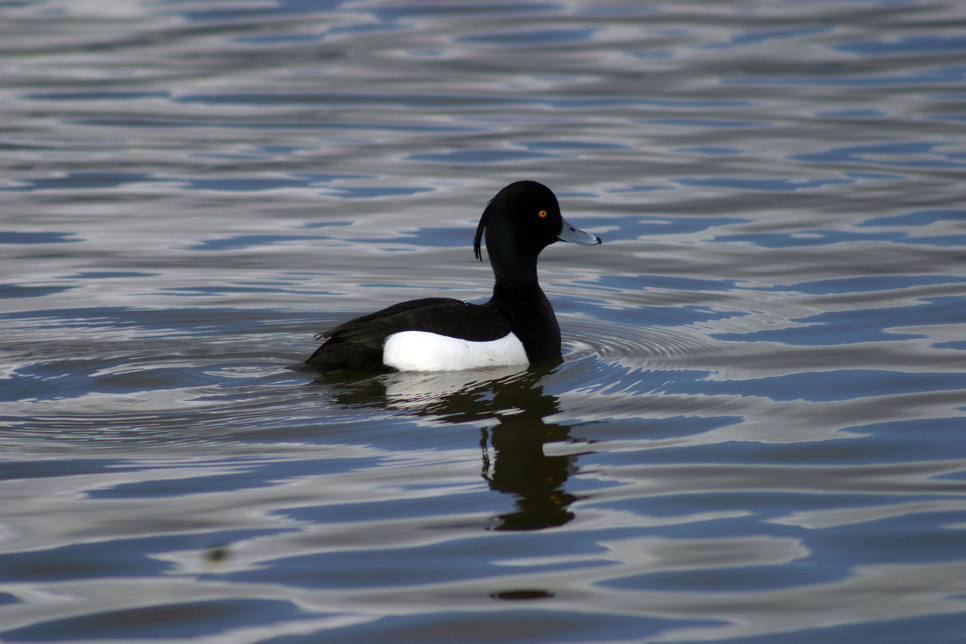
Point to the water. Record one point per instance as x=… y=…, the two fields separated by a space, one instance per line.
x=757 y=434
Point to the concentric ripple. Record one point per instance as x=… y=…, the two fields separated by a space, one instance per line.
x=643 y=347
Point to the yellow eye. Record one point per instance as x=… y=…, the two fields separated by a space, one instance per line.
x=542 y=213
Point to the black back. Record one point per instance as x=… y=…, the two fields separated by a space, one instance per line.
x=358 y=343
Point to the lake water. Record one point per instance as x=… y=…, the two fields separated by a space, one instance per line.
x=758 y=432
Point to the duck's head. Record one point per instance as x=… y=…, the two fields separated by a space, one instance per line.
x=521 y=220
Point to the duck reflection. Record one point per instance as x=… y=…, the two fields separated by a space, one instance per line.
x=512 y=406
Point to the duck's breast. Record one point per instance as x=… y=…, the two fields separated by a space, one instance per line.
x=422 y=351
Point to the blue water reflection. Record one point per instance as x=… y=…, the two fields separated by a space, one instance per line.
x=918 y=218
x=931 y=44
x=761 y=185
x=533 y=38
x=862 y=325
x=48 y=237
x=886 y=154
x=870 y=284
x=813 y=238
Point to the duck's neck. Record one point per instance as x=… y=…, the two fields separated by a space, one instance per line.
x=514 y=268
x=524 y=306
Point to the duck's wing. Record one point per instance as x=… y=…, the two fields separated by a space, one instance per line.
x=358 y=343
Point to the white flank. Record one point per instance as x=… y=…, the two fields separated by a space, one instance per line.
x=421 y=351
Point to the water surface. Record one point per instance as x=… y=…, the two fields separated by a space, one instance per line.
x=757 y=432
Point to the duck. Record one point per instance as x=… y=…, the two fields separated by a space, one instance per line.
x=516 y=326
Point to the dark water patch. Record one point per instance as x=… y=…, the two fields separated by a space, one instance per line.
x=254 y=184
x=423 y=238
x=175 y=488
x=655 y=429
x=111 y=275
x=706 y=123
x=96 y=96
x=267 y=124
x=887 y=539
x=921 y=438
x=854 y=114
x=862 y=325
x=746 y=579
x=251 y=241
x=918 y=218
x=806 y=237
x=83 y=181
x=375 y=192
x=868 y=284
x=434 y=101
x=451 y=506
x=943 y=628
x=16 y=470
x=226 y=289
x=950 y=117
x=77 y=377
x=939 y=241
x=873 y=176
x=359 y=29
x=478 y=156
x=464 y=9
x=647 y=101
x=244 y=12
x=861 y=77
x=904 y=154
x=18 y=291
x=384 y=15
x=240 y=476
x=168 y=620
x=88 y=561
x=187 y=321
x=467 y=101
x=525 y=625
x=762 y=185
x=390 y=568
x=928 y=44
x=712 y=150
x=633 y=188
x=325 y=224
x=522 y=594
x=46 y=237
x=531 y=38
x=757 y=37
x=574 y=145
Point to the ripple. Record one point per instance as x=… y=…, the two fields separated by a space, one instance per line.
x=642 y=347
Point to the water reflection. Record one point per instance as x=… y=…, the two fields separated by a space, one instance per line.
x=512 y=406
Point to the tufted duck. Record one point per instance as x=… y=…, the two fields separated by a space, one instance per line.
x=516 y=326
